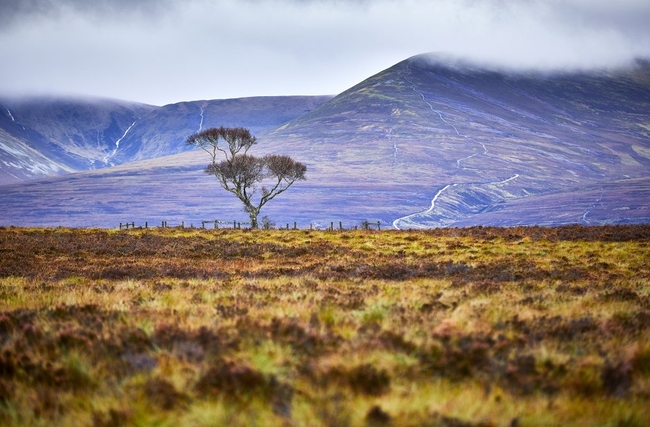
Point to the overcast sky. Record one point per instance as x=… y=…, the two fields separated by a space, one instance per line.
x=165 y=51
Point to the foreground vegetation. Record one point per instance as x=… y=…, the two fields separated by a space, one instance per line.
x=456 y=327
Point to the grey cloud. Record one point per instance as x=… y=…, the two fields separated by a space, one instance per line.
x=14 y=12
x=627 y=16
x=161 y=51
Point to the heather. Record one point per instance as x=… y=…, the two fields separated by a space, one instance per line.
x=524 y=326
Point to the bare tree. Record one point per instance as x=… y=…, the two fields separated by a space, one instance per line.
x=243 y=174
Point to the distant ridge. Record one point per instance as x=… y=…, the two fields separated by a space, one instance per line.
x=46 y=136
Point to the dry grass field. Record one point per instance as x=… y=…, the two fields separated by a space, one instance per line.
x=451 y=327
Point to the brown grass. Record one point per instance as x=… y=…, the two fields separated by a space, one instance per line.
x=452 y=327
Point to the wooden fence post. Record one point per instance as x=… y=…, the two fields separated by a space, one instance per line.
x=295 y=225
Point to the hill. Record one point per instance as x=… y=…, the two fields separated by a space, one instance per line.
x=48 y=136
x=428 y=142
x=479 y=141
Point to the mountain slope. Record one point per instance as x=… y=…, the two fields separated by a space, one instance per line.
x=478 y=138
x=164 y=131
x=22 y=162
x=49 y=136
x=428 y=142
x=45 y=136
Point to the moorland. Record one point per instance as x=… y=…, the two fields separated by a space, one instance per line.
x=523 y=326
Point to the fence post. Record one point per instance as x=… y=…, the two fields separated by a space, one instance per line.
x=146 y=224
x=295 y=225
x=340 y=225
x=287 y=226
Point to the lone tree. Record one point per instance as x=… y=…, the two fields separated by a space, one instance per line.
x=241 y=173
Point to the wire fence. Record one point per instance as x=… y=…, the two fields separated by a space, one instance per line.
x=216 y=224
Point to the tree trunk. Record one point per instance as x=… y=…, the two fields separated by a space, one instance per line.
x=253 y=213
